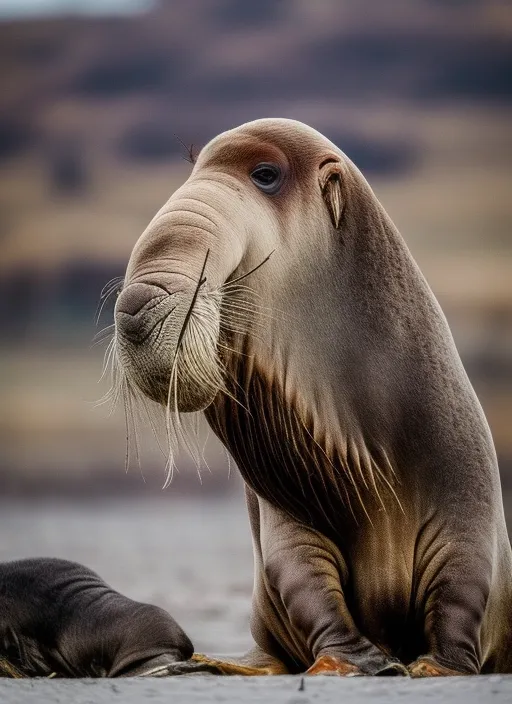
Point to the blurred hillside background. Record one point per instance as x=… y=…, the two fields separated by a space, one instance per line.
x=418 y=93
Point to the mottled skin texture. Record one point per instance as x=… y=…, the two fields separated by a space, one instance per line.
x=372 y=482
x=60 y=618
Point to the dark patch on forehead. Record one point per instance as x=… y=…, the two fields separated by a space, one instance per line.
x=245 y=152
x=240 y=151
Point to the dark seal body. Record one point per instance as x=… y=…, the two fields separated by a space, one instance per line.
x=60 y=617
x=372 y=481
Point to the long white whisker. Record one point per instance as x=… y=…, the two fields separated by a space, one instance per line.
x=103 y=334
x=213 y=335
x=106 y=292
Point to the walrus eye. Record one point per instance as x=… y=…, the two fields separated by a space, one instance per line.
x=267 y=177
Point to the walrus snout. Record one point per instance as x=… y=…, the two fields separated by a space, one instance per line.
x=140 y=307
x=136 y=297
x=167 y=335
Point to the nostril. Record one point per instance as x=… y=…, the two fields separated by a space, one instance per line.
x=135 y=297
x=130 y=327
x=137 y=309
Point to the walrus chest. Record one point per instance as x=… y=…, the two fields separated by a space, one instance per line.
x=284 y=464
x=281 y=460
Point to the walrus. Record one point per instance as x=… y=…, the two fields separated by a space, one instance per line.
x=59 y=618
x=273 y=293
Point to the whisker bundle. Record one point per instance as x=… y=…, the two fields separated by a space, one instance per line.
x=200 y=361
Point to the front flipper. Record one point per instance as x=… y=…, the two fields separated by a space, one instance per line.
x=254 y=663
x=427 y=667
x=330 y=665
x=154 y=667
x=301 y=599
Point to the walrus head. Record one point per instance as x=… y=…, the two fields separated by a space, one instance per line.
x=261 y=188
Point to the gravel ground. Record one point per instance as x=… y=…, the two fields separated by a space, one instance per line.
x=494 y=689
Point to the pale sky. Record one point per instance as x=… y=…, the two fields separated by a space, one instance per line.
x=41 y=8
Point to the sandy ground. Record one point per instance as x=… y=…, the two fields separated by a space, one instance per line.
x=245 y=690
x=194 y=558
x=191 y=557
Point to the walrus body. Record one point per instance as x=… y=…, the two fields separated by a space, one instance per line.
x=59 y=617
x=372 y=482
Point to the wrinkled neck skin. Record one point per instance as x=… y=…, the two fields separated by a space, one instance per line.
x=341 y=373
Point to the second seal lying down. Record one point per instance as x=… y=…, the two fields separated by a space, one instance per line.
x=329 y=373
x=60 y=618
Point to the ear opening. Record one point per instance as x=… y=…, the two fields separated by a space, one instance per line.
x=331 y=187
